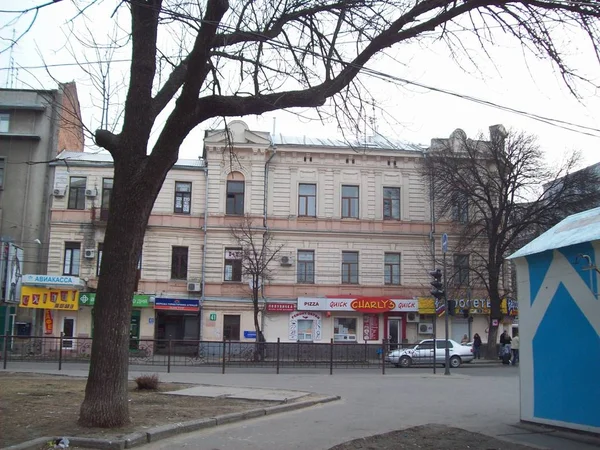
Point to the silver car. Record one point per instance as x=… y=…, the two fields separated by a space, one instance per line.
x=423 y=353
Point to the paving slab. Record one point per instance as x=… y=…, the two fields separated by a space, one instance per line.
x=240 y=393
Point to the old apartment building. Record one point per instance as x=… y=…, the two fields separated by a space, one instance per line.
x=352 y=225
x=35 y=125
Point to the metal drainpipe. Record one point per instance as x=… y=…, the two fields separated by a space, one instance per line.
x=202 y=297
x=265 y=225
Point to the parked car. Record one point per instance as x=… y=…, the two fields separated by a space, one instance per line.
x=423 y=352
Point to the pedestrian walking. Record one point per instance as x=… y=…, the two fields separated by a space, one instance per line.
x=515 y=350
x=477 y=346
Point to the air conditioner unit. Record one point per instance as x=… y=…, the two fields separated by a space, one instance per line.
x=286 y=261
x=89 y=253
x=412 y=317
x=425 y=328
x=58 y=192
x=91 y=192
x=194 y=287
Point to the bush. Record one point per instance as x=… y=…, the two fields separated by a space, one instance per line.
x=147 y=382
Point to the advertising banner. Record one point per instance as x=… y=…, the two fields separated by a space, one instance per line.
x=14 y=266
x=177 y=304
x=48 y=322
x=44 y=298
x=139 y=300
x=371 y=327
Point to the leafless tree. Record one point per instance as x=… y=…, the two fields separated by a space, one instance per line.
x=257 y=251
x=240 y=57
x=497 y=195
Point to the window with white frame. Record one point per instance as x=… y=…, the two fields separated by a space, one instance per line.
x=72 y=258
x=305 y=330
x=306 y=266
x=392 y=268
x=233 y=264
x=4 y=122
x=344 y=329
x=307 y=200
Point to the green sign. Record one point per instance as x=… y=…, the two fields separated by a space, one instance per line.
x=139 y=300
x=213 y=317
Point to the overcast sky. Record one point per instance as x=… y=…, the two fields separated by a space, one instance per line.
x=405 y=112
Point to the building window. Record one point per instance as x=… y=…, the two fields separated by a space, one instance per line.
x=306 y=266
x=231 y=327
x=179 y=263
x=307 y=200
x=77 y=193
x=72 y=258
x=344 y=329
x=235 y=198
x=107 y=188
x=183 y=197
x=461 y=209
x=461 y=270
x=350 y=202
x=233 y=264
x=4 y=122
x=305 y=330
x=350 y=267
x=2 y=165
x=392 y=268
x=100 y=249
x=391 y=203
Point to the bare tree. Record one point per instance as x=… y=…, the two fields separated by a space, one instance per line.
x=249 y=57
x=257 y=250
x=499 y=194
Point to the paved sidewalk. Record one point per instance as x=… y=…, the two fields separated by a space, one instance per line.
x=370 y=404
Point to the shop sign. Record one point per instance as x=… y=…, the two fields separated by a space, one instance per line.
x=48 y=322
x=139 y=300
x=52 y=280
x=281 y=307
x=371 y=327
x=362 y=304
x=176 y=304
x=45 y=298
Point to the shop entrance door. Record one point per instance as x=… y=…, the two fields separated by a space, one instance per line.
x=68 y=332
x=394 y=332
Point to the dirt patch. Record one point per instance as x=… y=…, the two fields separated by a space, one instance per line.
x=430 y=437
x=33 y=405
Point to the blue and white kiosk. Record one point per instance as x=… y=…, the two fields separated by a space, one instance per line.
x=559 y=324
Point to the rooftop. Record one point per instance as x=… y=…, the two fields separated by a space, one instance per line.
x=103 y=157
x=575 y=229
x=372 y=142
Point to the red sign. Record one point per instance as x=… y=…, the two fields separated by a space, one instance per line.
x=371 y=327
x=281 y=307
x=372 y=304
x=48 y=321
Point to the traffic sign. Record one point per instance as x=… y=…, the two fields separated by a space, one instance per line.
x=444 y=243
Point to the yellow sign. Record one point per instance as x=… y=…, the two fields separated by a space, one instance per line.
x=475 y=306
x=44 y=298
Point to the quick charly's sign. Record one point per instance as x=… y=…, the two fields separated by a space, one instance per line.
x=360 y=304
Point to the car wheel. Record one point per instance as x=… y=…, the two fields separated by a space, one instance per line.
x=455 y=362
x=405 y=361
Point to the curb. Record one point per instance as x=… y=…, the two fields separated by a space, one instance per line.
x=584 y=437
x=164 y=431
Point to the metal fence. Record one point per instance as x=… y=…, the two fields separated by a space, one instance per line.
x=194 y=353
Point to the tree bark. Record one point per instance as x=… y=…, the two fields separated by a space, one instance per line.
x=106 y=397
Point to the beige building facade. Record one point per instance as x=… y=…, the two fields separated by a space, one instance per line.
x=350 y=225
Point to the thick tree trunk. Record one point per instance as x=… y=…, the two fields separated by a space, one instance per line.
x=106 y=397
x=495 y=314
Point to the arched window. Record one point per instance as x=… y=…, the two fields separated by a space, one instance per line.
x=235 y=194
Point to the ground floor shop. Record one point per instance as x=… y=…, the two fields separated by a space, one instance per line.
x=231 y=320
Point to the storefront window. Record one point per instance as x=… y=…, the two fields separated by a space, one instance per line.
x=305 y=330
x=344 y=328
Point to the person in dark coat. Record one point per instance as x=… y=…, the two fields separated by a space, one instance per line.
x=477 y=346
